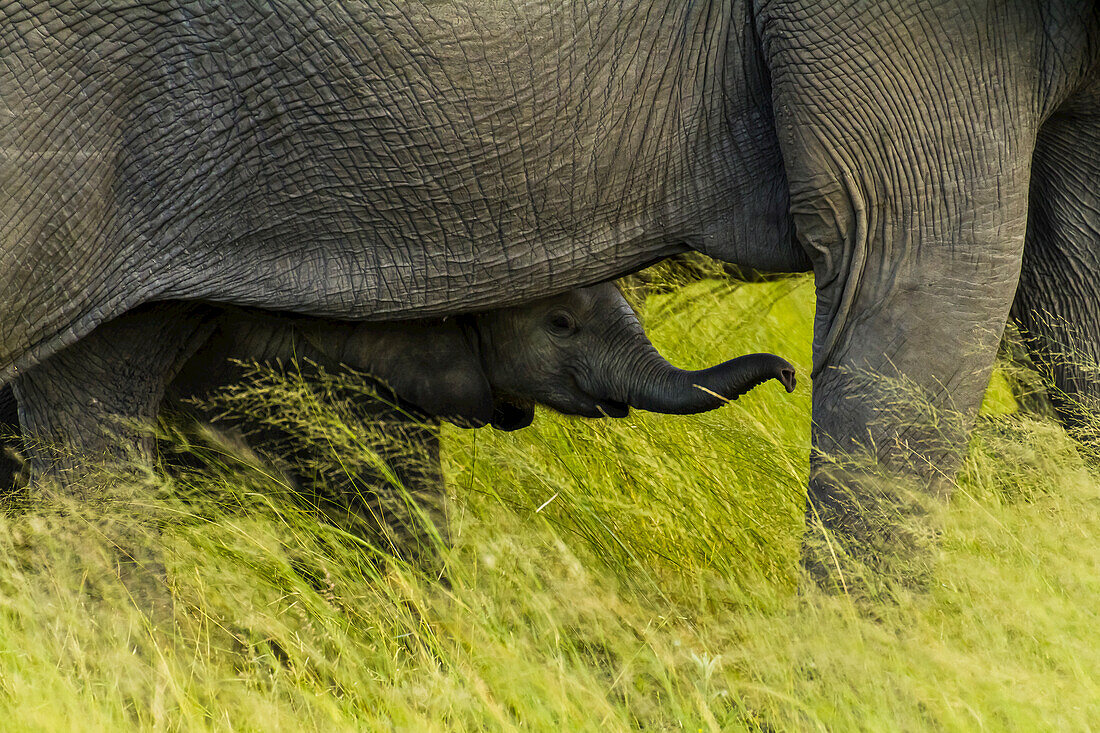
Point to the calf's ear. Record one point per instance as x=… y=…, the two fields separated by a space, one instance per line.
x=450 y=384
x=428 y=364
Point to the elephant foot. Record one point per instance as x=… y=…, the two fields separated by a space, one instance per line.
x=870 y=534
x=142 y=572
x=97 y=540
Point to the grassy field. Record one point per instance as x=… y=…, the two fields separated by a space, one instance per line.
x=605 y=575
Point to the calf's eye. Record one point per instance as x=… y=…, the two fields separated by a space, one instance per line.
x=561 y=323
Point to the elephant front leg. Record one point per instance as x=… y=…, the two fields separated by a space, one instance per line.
x=96 y=400
x=914 y=283
x=895 y=394
x=413 y=493
x=907 y=142
x=912 y=301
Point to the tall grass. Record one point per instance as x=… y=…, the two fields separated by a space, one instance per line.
x=604 y=575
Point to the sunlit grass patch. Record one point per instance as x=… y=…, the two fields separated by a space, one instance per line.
x=604 y=575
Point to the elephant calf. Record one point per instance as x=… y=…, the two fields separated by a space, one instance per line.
x=581 y=353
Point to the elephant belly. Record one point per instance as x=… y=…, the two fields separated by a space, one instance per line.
x=358 y=281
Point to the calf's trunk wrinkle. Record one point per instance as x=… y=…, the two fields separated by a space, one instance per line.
x=655 y=385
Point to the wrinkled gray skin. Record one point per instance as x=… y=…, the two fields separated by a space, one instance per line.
x=389 y=160
x=582 y=353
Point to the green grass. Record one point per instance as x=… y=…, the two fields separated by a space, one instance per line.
x=605 y=575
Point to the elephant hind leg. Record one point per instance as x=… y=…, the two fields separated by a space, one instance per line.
x=90 y=400
x=87 y=404
x=1058 y=301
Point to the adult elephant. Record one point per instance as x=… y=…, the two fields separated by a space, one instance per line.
x=389 y=159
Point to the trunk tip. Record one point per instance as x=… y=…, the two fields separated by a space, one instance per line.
x=777 y=368
x=787 y=378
